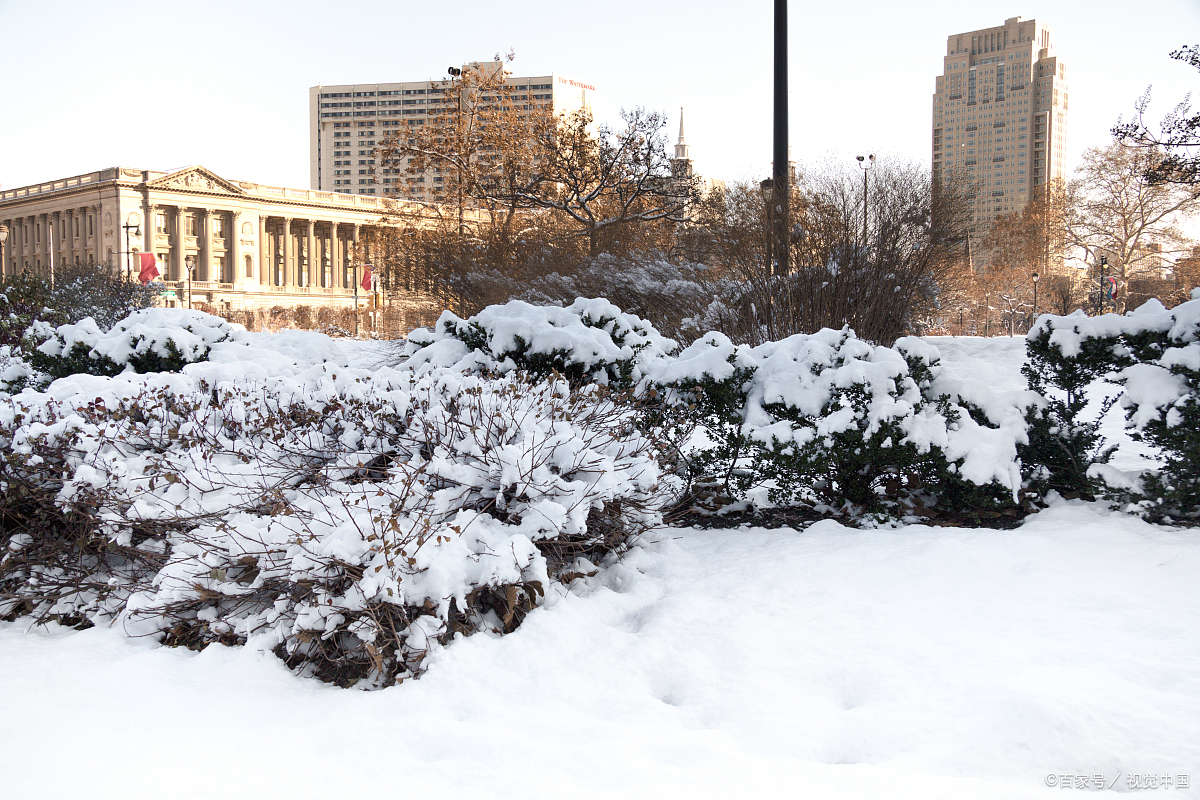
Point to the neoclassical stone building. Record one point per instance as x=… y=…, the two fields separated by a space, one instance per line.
x=245 y=245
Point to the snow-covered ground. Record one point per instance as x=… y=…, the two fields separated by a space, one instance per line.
x=914 y=662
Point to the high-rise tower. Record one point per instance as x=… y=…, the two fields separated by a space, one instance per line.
x=1000 y=115
x=347 y=123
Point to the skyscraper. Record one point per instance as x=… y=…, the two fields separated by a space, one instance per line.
x=1000 y=115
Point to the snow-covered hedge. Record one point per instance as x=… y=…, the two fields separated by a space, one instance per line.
x=1154 y=354
x=149 y=340
x=588 y=341
x=833 y=421
x=256 y=489
x=348 y=521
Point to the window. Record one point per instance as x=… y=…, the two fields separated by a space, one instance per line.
x=190 y=225
x=219 y=227
x=160 y=222
x=249 y=267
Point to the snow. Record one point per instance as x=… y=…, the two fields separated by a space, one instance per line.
x=917 y=662
x=832 y=662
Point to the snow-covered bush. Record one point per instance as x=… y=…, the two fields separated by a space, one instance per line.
x=1154 y=354
x=588 y=341
x=832 y=421
x=348 y=521
x=707 y=385
x=149 y=340
x=80 y=291
x=1063 y=359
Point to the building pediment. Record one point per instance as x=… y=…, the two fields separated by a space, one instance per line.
x=197 y=179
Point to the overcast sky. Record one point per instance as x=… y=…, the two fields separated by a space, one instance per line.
x=88 y=84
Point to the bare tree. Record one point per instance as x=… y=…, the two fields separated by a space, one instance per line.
x=1114 y=211
x=604 y=184
x=1178 y=136
x=883 y=284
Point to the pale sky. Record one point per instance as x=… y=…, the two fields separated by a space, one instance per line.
x=89 y=84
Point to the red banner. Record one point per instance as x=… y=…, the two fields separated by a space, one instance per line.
x=149 y=268
x=366 y=281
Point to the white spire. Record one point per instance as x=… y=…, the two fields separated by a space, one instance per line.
x=681 y=148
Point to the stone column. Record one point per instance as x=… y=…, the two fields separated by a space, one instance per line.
x=289 y=276
x=204 y=243
x=233 y=251
x=18 y=245
x=43 y=246
x=61 y=236
x=178 y=265
x=335 y=256
x=68 y=240
x=327 y=268
x=22 y=252
x=52 y=239
x=314 y=264
x=265 y=256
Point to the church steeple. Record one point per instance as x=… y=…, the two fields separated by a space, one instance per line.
x=681 y=148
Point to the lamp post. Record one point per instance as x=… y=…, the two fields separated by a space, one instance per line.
x=455 y=72
x=1035 y=282
x=3 y=241
x=133 y=221
x=865 y=163
x=189 y=264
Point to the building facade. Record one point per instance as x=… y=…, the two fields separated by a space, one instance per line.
x=242 y=245
x=1000 y=115
x=347 y=123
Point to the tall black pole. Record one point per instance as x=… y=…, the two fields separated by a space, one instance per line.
x=782 y=185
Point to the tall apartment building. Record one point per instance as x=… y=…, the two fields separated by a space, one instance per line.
x=346 y=123
x=1000 y=115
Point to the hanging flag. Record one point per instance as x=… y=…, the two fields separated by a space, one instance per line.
x=149 y=268
x=367 y=277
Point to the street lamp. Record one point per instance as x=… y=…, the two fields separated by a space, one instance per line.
x=133 y=221
x=865 y=162
x=1035 y=282
x=189 y=263
x=455 y=72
